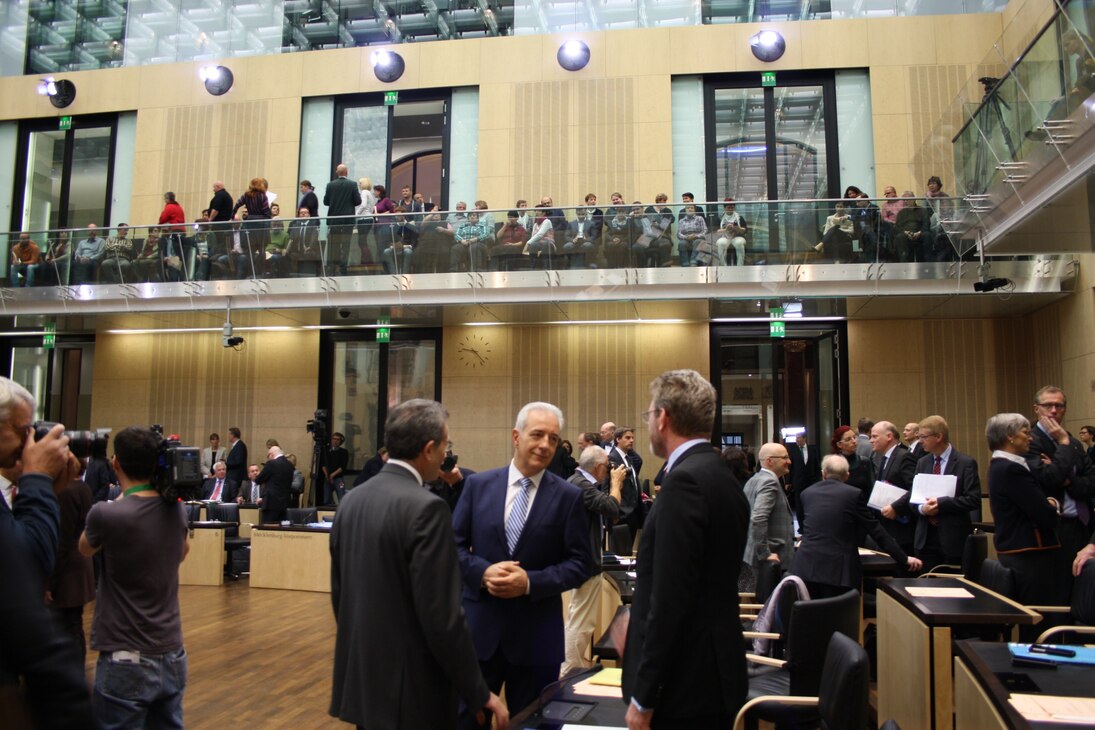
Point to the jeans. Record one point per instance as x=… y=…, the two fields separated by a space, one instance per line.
x=147 y=693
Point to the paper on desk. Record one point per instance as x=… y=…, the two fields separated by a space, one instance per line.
x=884 y=494
x=939 y=592
x=932 y=485
x=609 y=677
x=1048 y=708
x=587 y=688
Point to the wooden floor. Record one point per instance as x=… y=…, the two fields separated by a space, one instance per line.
x=259 y=658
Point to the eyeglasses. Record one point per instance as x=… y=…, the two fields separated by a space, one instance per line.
x=645 y=415
x=1052 y=406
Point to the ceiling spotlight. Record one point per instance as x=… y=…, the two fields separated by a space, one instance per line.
x=573 y=55
x=217 y=79
x=767 y=45
x=61 y=93
x=388 y=66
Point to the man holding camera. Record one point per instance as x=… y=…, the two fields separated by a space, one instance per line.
x=141 y=673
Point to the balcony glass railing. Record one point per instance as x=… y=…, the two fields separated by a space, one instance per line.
x=836 y=233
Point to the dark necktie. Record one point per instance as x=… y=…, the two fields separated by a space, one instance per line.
x=937 y=468
x=882 y=469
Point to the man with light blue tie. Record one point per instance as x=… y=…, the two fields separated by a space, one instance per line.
x=522 y=538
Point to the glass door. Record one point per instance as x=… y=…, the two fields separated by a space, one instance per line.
x=773 y=143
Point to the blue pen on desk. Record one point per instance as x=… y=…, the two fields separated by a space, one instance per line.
x=1051 y=650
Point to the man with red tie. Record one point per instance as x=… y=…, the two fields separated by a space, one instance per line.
x=219 y=488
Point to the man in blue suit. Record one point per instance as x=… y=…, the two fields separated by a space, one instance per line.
x=522 y=537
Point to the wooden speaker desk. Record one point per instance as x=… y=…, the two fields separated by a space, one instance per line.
x=295 y=558
x=204 y=564
x=915 y=680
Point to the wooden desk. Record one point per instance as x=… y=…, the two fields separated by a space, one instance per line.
x=249 y=515
x=980 y=698
x=295 y=558
x=915 y=681
x=204 y=564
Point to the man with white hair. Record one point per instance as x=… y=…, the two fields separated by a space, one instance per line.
x=834 y=518
x=585 y=602
x=771 y=530
x=522 y=537
x=277 y=475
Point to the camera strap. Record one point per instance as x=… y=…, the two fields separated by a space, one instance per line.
x=137 y=488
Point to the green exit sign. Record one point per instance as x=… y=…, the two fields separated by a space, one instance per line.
x=49 y=337
x=768 y=78
x=383 y=334
x=64 y=123
x=391 y=98
x=777 y=329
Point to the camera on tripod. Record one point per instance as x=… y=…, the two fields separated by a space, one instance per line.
x=318 y=426
x=178 y=474
x=990 y=83
x=82 y=444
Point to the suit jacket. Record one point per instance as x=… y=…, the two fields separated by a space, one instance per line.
x=835 y=522
x=598 y=505
x=630 y=501
x=593 y=229
x=73 y=580
x=403 y=651
x=277 y=478
x=236 y=462
x=33 y=522
x=342 y=197
x=229 y=491
x=1023 y=519
x=553 y=549
x=770 y=527
x=244 y=490
x=899 y=470
x=1077 y=470
x=209 y=458
x=955 y=523
x=804 y=473
x=685 y=653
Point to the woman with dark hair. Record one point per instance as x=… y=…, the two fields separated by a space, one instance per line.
x=738 y=461
x=860 y=471
x=384 y=223
x=836 y=241
x=256 y=229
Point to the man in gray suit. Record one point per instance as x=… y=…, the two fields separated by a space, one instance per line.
x=771 y=531
x=341 y=198
x=585 y=602
x=403 y=652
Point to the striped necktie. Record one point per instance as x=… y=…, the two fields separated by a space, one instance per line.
x=517 y=514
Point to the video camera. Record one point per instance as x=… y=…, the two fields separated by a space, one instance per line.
x=178 y=474
x=317 y=426
x=82 y=444
x=989 y=82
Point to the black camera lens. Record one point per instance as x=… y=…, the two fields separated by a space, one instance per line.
x=82 y=444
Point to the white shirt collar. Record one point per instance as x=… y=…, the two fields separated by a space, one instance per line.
x=1001 y=454
x=889 y=452
x=515 y=476
x=680 y=450
x=408 y=467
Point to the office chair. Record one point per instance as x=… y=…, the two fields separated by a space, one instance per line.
x=232 y=541
x=622 y=541
x=1082 y=610
x=611 y=644
x=841 y=699
x=193 y=512
x=302 y=515
x=974 y=552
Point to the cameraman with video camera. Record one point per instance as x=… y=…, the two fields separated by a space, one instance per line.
x=142 y=667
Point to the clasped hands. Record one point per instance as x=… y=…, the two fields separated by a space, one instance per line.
x=505 y=579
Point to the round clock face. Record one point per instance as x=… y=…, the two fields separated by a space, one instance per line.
x=473 y=351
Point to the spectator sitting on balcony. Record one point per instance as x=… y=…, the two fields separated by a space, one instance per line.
x=434 y=248
x=584 y=233
x=660 y=225
x=58 y=257
x=938 y=244
x=836 y=240
x=486 y=220
x=303 y=251
x=117 y=257
x=25 y=257
x=523 y=218
x=457 y=218
x=692 y=232
x=201 y=248
x=887 y=226
x=89 y=252
x=276 y=261
x=510 y=242
x=470 y=246
x=865 y=216
x=541 y=244
x=397 y=256
x=617 y=228
x=149 y=260
x=732 y=230
x=911 y=228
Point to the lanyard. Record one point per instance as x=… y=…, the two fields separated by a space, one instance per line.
x=138 y=488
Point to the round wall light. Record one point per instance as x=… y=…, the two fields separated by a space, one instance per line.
x=573 y=55
x=767 y=45
x=61 y=93
x=388 y=66
x=217 y=79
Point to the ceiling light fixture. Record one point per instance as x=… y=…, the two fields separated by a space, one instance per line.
x=573 y=55
x=767 y=45
x=388 y=66
x=217 y=79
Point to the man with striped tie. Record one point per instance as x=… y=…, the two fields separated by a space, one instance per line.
x=522 y=537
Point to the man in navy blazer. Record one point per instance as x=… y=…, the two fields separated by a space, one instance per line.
x=514 y=570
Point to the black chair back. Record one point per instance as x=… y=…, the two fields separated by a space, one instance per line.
x=225 y=512
x=974 y=553
x=193 y=512
x=621 y=540
x=302 y=515
x=997 y=577
x=844 y=684
x=1083 y=595
x=768 y=575
x=812 y=624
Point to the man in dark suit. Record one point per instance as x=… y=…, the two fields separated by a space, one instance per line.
x=277 y=478
x=403 y=652
x=341 y=197
x=835 y=521
x=219 y=488
x=911 y=434
x=623 y=454
x=894 y=465
x=522 y=536
x=236 y=461
x=944 y=523
x=684 y=666
x=1072 y=486
x=805 y=464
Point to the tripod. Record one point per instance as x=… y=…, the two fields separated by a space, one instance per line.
x=994 y=116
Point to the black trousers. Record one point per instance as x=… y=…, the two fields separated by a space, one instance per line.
x=523 y=685
x=1041 y=578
